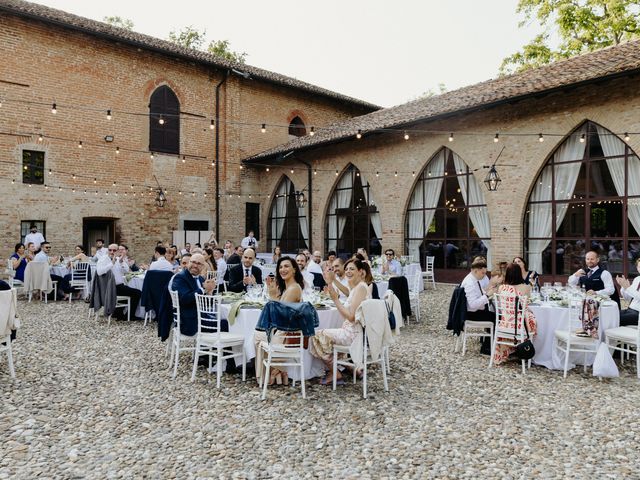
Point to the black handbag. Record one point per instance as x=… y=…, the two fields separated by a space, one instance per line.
x=391 y=316
x=524 y=350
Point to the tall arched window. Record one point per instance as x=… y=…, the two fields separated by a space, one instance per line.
x=164 y=121
x=587 y=197
x=288 y=225
x=297 y=127
x=353 y=220
x=447 y=216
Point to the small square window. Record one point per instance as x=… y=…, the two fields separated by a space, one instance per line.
x=32 y=167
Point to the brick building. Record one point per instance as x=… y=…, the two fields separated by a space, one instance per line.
x=411 y=177
x=120 y=99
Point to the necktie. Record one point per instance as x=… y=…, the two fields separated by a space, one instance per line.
x=589 y=274
x=246 y=272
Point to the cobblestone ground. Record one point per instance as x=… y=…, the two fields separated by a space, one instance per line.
x=92 y=401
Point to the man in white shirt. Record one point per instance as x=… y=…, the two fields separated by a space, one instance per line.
x=101 y=250
x=34 y=237
x=477 y=289
x=186 y=249
x=218 y=255
x=63 y=288
x=595 y=279
x=160 y=262
x=184 y=265
x=113 y=262
x=43 y=254
x=335 y=276
x=391 y=266
x=314 y=264
x=301 y=260
x=249 y=241
x=631 y=292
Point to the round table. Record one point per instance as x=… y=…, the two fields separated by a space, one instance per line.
x=137 y=282
x=245 y=325
x=60 y=270
x=550 y=317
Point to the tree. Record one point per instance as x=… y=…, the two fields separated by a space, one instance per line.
x=432 y=92
x=190 y=37
x=120 y=22
x=581 y=26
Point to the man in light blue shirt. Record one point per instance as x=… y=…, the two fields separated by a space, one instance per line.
x=391 y=266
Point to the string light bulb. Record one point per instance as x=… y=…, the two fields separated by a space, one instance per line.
x=161 y=120
x=359 y=134
x=151 y=155
x=212 y=125
x=267 y=169
x=406 y=136
x=496 y=139
x=377 y=174
x=40 y=138
x=413 y=174
x=13 y=182
x=451 y=137
x=582 y=138
x=315 y=172
x=50 y=172
x=73 y=176
x=626 y=137
x=54 y=108
x=312 y=132
x=395 y=173
x=336 y=173
x=291 y=171
x=80 y=144
x=95 y=180
x=264 y=128
x=108 y=114
x=184 y=158
x=540 y=138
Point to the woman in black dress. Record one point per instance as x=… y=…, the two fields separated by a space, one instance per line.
x=530 y=277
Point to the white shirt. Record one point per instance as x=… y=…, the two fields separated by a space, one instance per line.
x=41 y=257
x=476 y=298
x=222 y=269
x=395 y=267
x=308 y=279
x=313 y=267
x=632 y=294
x=248 y=242
x=119 y=268
x=606 y=278
x=101 y=252
x=162 y=264
x=35 y=238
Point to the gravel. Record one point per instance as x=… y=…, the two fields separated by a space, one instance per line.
x=92 y=401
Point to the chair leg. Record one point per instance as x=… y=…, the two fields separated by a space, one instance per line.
x=384 y=375
x=12 y=371
x=566 y=361
x=302 y=381
x=244 y=365
x=220 y=354
x=265 y=380
x=335 y=367
x=464 y=342
x=195 y=362
x=364 y=380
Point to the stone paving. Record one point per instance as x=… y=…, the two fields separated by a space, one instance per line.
x=92 y=401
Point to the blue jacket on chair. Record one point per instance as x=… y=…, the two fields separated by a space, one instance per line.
x=187 y=287
x=288 y=317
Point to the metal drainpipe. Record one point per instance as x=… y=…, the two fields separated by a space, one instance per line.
x=217 y=160
x=310 y=202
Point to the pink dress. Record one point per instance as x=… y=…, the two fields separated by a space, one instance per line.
x=321 y=345
x=503 y=351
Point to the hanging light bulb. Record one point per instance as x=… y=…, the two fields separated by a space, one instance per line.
x=54 y=108
x=40 y=137
x=582 y=138
x=336 y=173
x=377 y=174
x=184 y=158
x=413 y=174
x=451 y=137
x=108 y=114
x=212 y=125
x=13 y=182
x=95 y=180
x=626 y=137
x=73 y=176
x=50 y=172
x=406 y=136
x=395 y=173
x=151 y=155
x=114 y=183
x=117 y=150
x=359 y=134
x=540 y=138
x=291 y=171
x=264 y=128
x=315 y=172
x=241 y=167
x=496 y=139
x=161 y=121
x=80 y=144
x=312 y=132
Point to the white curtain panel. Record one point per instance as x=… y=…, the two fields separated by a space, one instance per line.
x=376 y=221
x=425 y=195
x=612 y=146
x=304 y=224
x=332 y=229
x=344 y=198
x=566 y=175
x=279 y=209
x=479 y=216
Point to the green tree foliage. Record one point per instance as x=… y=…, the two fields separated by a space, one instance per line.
x=432 y=92
x=117 y=21
x=580 y=25
x=190 y=37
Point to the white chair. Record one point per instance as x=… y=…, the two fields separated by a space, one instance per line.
x=414 y=293
x=622 y=339
x=7 y=348
x=504 y=332
x=290 y=353
x=428 y=275
x=211 y=341
x=121 y=302
x=474 y=328
x=177 y=341
x=212 y=275
x=566 y=341
x=8 y=299
x=13 y=281
x=79 y=275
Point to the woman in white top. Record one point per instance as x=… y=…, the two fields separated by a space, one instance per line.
x=321 y=345
x=631 y=292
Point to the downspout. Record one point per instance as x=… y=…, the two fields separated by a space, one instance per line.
x=310 y=201
x=217 y=156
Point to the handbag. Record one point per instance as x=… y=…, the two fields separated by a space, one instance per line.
x=391 y=316
x=524 y=350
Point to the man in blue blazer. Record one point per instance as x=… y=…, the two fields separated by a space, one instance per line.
x=187 y=283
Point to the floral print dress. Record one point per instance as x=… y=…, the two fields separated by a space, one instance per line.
x=502 y=352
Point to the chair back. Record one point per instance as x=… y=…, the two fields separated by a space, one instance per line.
x=79 y=274
x=10 y=265
x=175 y=303
x=506 y=314
x=208 y=313
x=212 y=275
x=430 y=262
x=37 y=276
x=414 y=282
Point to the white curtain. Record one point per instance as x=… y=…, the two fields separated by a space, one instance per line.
x=612 y=146
x=566 y=175
x=304 y=224
x=341 y=199
x=279 y=209
x=479 y=216
x=376 y=221
x=425 y=196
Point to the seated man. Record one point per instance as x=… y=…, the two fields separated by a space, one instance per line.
x=184 y=265
x=596 y=280
x=187 y=283
x=334 y=275
x=477 y=289
x=114 y=262
x=236 y=257
x=245 y=274
x=313 y=266
x=161 y=262
x=391 y=266
x=301 y=260
x=218 y=255
x=631 y=292
x=63 y=282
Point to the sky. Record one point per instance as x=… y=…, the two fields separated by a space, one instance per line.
x=381 y=51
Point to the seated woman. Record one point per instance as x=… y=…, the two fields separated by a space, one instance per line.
x=363 y=252
x=530 y=277
x=631 y=292
x=79 y=256
x=321 y=345
x=171 y=257
x=497 y=275
x=514 y=285
x=210 y=264
x=277 y=253
x=286 y=286
x=19 y=261
x=31 y=251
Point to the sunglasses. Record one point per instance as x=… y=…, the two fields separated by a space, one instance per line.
x=112 y=249
x=389 y=254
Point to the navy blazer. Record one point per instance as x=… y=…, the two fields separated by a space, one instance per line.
x=187 y=287
x=236 y=274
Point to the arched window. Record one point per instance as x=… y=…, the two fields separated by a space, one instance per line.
x=447 y=216
x=587 y=197
x=297 y=128
x=164 y=121
x=353 y=220
x=288 y=225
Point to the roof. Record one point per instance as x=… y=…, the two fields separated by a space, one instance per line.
x=603 y=64
x=92 y=27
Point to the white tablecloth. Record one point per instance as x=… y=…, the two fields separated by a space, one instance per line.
x=245 y=325
x=551 y=318
x=59 y=270
x=137 y=282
